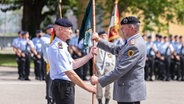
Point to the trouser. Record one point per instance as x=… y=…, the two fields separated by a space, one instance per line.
x=129 y=102
x=63 y=91
x=26 y=65
x=167 y=61
x=157 y=69
x=18 y=59
x=182 y=66
x=149 y=68
x=107 y=94
x=48 y=82
x=161 y=71
x=175 y=68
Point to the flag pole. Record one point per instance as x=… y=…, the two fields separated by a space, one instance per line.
x=60 y=8
x=94 y=44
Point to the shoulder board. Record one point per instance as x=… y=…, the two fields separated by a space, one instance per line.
x=60 y=45
x=131 y=42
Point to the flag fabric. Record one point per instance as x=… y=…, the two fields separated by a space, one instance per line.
x=113 y=31
x=86 y=27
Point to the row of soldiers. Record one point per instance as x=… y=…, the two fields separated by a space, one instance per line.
x=165 y=58
x=27 y=49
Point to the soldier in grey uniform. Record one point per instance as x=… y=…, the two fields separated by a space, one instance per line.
x=128 y=74
x=105 y=62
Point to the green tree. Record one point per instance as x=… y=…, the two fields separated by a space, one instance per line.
x=33 y=14
x=156 y=13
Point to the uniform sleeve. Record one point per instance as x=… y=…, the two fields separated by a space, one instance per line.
x=109 y=47
x=64 y=61
x=127 y=61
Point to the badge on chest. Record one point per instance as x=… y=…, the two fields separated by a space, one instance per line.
x=60 y=45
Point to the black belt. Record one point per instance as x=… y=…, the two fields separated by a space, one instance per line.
x=63 y=82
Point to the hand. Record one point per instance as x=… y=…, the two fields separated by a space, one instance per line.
x=91 y=89
x=38 y=56
x=94 y=80
x=93 y=51
x=23 y=55
x=95 y=37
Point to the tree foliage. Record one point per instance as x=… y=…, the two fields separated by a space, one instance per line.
x=34 y=13
x=153 y=13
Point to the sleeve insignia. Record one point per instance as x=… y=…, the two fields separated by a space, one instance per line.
x=130 y=53
x=60 y=45
x=109 y=55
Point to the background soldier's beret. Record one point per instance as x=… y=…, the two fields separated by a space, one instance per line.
x=63 y=22
x=38 y=31
x=24 y=32
x=149 y=37
x=49 y=26
x=130 y=20
x=102 y=32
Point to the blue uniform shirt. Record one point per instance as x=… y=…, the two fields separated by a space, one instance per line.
x=16 y=42
x=37 y=43
x=74 y=41
x=163 y=48
x=24 y=46
x=149 y=50
x=45 y=41
x=59 y=59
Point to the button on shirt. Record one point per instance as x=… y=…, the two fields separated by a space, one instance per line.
x=59 y=59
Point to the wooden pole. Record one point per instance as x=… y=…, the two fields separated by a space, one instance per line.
x=94 y=44
x=60 y=8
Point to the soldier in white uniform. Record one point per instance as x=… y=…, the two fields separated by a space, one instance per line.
x=128 y=74
x=62 y=65
x=105 y=62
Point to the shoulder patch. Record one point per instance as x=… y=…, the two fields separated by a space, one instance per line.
x=60 y=45
x=131 y=42
x=130 y=53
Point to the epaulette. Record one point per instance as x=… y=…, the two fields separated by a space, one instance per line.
x=60 y=45
x=131 y=42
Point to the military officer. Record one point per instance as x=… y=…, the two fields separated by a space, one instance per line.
x=26 y=48
x=15 y=46
x=128 y=74
x=45 y=41
x=150 y=57
x=62 y=65
x=38 y=62
x=105 y=62
x=181 y=53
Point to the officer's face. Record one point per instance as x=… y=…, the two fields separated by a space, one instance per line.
x=63 y=33
x=103 y=36
x=126 y=29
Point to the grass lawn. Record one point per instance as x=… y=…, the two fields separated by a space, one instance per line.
x=10 y=60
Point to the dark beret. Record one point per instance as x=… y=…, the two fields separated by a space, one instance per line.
x=130 y=20
x=24 y=32
x=165 y=37
x=102 y=32
x=149 y=37
x=49 y=26
x=180 y=37
x=38 y=31
x=63 y=22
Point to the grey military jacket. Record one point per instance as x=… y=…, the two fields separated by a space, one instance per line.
x=128 y=74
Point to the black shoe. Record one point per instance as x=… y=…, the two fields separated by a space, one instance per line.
x=106 y=101
x=99 y=101
x=27 y=79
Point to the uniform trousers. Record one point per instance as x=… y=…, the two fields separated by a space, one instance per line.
x=63 y=91
x=107 y=94
x=138 y=102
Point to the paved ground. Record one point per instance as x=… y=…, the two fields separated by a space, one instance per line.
x=13 y=91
